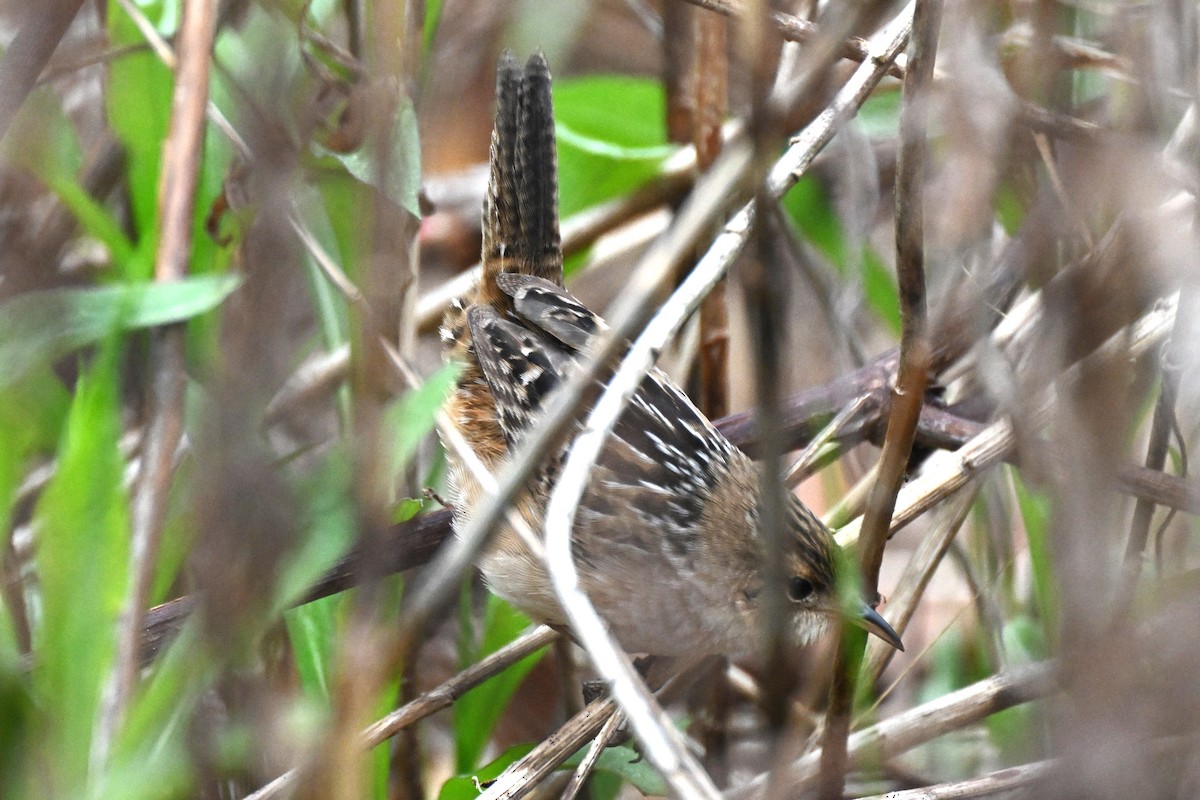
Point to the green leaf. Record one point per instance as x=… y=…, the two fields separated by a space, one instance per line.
x=42 y=140
x=477 y=712
x=816 y=220
x=138 y=94
x=399 y=180
x=466 y=787
x=407 y=508
x=879 y=117
x=1035 y=515
x=880 y=288
x=154 y=756
x=82 y=560
x=433 y=16
x=626 y=763
x=330 y=528
x=17 y=718
x=1016 y=731
x=38 y=327
x=411 y=418
x=611 y=137
x=313 y=631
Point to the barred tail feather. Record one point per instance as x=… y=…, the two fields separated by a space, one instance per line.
x=537 y=176
x=520 y=216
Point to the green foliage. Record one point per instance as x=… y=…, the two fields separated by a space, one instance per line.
x=412 y=417
x=399 y=181
x=628 y=765
x=433 y=16
x=611 y=138
x=467 y=787
x=43 y=141
x=38 y=327
x=811 y=211
x=477 y=712
x=138 y=107
x=1035 y=516
x=82 y=561
x=616 y=764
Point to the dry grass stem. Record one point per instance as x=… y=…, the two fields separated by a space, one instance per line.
x=524 y=775
x=1001 y=782
x=916 y=726
x=429 y=703
x=918 y=572
x=595 y=750
x=164 y=428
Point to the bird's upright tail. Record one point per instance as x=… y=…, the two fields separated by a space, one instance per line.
x=520 y=211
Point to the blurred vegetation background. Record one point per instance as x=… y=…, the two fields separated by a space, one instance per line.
x=229 y=230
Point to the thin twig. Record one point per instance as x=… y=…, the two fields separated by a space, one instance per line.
x=164 y=429
x=432 y=701
x=795 y=29
x=803 y=465
x=946 y=474
x=916 y=577
x=1000 y=782
x=911 y=379
x=523 y=776
x=595 y=750
x=916 y=726
x=1156 y=450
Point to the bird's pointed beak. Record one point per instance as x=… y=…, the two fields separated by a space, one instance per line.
x=869 y=619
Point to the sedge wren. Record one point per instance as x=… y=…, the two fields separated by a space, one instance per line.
x=666 y=537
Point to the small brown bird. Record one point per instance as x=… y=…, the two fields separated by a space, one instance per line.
x=666 y=537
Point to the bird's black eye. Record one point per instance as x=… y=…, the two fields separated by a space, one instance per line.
x=799 y=589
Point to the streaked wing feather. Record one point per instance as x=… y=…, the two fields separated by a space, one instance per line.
x=656 y=469
x=552 y=309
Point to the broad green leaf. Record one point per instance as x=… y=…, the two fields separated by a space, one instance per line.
x=411 y=418
x=611 y=138
x=400 y=181
x=38 y=327
x=466 y=787
x=82 y=559
x=477 y=712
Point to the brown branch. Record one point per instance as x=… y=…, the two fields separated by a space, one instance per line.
x=794 y=29
x=176 y=197
x=916 y=726
x=710 y=70
x=912 y=376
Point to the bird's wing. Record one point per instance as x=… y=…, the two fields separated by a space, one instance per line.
x=656 y=468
